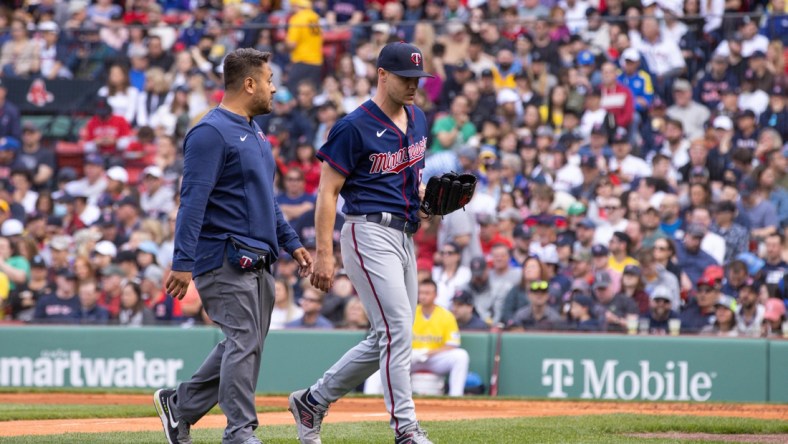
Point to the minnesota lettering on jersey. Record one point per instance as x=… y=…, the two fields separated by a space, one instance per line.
x=393 y=163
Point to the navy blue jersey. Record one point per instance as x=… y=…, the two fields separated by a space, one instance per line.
x=381 y=164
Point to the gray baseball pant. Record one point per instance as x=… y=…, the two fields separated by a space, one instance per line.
x=241 y=304
x=381 y=263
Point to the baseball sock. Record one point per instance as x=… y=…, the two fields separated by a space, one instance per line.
x=311 y=399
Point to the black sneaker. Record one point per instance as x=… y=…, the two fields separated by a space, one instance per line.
x=177 y=432
x=308 y=418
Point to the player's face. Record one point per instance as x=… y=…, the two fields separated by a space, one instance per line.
x=401 y=90
x=264 y=92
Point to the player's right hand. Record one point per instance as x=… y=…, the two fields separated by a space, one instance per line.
x=323 y=272
x=177 y=283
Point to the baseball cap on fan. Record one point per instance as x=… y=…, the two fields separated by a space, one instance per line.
x=402 y=59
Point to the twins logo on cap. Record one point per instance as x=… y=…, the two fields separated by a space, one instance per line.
x=402 y=59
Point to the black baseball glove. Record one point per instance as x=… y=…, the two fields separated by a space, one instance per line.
x=447 y=193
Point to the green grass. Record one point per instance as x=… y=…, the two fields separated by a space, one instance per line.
x=571 y=429
x=15 y=412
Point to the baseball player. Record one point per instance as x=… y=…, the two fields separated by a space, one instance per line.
x=373 y=157
x=436 y=340
x=228 y=233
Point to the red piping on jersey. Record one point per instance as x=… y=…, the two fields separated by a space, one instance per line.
x=333 y=164
x=385 y=322
x=404 y=173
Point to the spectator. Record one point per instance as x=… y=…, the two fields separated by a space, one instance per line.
x=773 y=318
x=633 y=287
x=487 y=304
x=760 y=214
x=90 y=311
x=724 y=318
x=699 y=312
x=12 y=263
x=23 y=299
x=662 y=55
x=615 y=221
x=436 y=341
x=464 y=311
x=286 y=122
x=56 y=59
x=617 y=99
x=580 y=310
x=775 y=268
x=158 y=199
x=62 y=306
x=623 y=164
x=676 y=145
x=735 y=277
x=20 y=56
x=684 y=109
x=129 y=220
x=306 y=161
x=750 y=40
x=538 y=314
x=151 y=96
x=712 y=243
x=37 y=159
x=116 y=178
x=10 y=125
x=776 y=114
x=102 y=11
x=355 y=318
x=636 y=79
x=736 y=237
x=455 y=129
x=294 y=201
x=111 y=289
x=311 y=303
x=750 y=313
x=305 y=42
x=82 y=268
x=612 y=308
x=285 y=310
x=22 y=181
x=692 y=260
x=170 y=119
x=716 y=81
x=660 y=312
x=105 y=132
x=516 y=298
x=133 y=312
x=159 y=28
x=450 y=276
x=158 y=56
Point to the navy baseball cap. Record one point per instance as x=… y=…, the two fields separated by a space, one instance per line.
x=402 y=59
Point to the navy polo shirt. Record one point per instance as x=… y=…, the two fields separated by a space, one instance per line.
x=227 y=191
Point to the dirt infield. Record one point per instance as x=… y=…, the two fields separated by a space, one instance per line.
x=371 y=409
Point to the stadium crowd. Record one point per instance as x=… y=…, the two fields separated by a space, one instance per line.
x=630 y=154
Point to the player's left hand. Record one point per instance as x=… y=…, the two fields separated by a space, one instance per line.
x=304 y=261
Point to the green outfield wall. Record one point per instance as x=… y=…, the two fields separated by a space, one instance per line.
x=536 y=365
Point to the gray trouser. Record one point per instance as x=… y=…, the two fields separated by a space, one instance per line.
x=381 y=263
x=240 y=303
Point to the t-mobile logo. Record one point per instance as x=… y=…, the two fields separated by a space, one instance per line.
x=558 y=373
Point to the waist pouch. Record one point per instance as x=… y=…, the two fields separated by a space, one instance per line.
x=245 y=258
